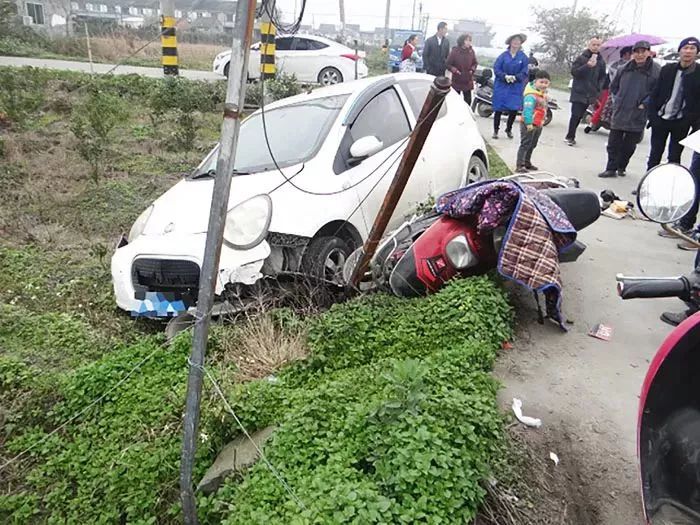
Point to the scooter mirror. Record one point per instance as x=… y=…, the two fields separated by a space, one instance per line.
x=666 y=193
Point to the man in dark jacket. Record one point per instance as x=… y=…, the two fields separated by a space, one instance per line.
x=630 y=90
x=589 y=77
x=435 y=52
x=675 y=104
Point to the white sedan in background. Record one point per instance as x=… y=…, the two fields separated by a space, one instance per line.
x=312 y=59
x=336 y=150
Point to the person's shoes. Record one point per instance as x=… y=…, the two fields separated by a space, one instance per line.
x=531 y=167
x=570 y=142
x=690 y=246
x=521 y=169
x=509 y=134
x=621 y=173
x=674 y=319
x=607 y=174
x=676 y=226
x=495 y=135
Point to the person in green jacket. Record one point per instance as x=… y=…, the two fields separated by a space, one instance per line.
x=534 y=114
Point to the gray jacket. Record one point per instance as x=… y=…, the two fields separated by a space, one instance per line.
x=588 y=81
x=631 y=89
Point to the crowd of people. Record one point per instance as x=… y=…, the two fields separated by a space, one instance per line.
x=629 y=95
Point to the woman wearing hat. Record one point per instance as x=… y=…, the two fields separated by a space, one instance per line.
x=511 y=72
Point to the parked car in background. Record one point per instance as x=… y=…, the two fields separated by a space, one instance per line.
x=310 y=58
x=309 y=207
x=396 y=47
x=669 y=58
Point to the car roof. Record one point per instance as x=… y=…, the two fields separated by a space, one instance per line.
x=347 y=88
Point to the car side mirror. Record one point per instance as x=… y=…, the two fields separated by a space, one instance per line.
x=363 y=148
x=666 y=193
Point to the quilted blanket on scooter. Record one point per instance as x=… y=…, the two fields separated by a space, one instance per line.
x=537 y=231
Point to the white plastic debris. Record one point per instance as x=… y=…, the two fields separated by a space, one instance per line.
x=554 y=458
x=525 y=420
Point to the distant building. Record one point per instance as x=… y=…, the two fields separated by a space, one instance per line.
x=480 y=31
x=328 y=30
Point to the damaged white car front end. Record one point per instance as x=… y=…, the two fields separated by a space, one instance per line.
x=156 y=269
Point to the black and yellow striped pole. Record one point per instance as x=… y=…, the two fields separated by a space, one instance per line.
x=168 y=39
x=268 y=69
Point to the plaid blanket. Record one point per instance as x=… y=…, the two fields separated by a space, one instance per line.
x=537 y=231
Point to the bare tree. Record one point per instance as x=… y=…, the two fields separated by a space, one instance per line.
x=565 y=33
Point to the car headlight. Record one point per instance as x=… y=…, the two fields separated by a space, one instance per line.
x=459 y=254
x=140 y=224
x=247 y=223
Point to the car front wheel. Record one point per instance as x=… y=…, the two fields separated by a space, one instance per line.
x=325 y=258
x=476 y=172
x=330 y=76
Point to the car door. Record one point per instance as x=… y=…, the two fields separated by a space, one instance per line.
x=305 y=59
x=385 y=118
x=444 y=157
x=283 y=50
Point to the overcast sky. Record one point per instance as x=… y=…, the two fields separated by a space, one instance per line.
x=672 y=19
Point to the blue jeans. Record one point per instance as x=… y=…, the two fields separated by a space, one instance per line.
x=689 y=220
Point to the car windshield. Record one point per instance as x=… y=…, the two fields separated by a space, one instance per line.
x=295 y=134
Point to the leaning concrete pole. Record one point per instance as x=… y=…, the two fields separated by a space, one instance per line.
x=431 y=108
x=235 y=98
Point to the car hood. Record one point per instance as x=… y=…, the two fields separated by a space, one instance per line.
x=184 y=208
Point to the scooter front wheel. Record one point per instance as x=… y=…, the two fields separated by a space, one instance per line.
x=484 y=110
x=549 y=117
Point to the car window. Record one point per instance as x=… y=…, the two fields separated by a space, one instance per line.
x=283 y=43
x=303 y=44
x=295 y=135
x=416 y=92
x=384 y=118
x=316 y=45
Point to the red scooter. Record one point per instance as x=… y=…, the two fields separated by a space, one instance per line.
x=668 y=428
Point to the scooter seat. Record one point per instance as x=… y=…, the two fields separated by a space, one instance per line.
x=582 y=207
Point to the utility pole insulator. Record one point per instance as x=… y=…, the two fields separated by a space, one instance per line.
x=168 y=40
x=268 y=69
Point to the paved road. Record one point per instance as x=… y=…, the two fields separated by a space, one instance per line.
x=103 y=68
x=586 y=390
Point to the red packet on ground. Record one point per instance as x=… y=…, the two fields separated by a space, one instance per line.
x=601 y=331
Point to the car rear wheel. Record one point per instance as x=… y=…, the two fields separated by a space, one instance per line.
x=325 y=258
x=330 y=76
x=476 y=172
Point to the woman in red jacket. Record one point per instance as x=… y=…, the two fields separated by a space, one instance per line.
x=409 y=55
x=462 y=62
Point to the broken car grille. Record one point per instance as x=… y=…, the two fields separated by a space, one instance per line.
x=164 y=275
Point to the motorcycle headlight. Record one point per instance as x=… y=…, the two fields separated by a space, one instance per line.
x=140 y=224
x=247 y=223
x=459 y=254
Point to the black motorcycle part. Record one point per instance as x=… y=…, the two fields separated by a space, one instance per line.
x=404 y=281
x=572 y=253
x=581 y=206
x=653 y=288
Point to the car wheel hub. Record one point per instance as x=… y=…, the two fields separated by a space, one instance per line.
x=333 y=267
x=329 y=77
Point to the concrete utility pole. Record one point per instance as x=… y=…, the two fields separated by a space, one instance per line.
x=413 y=16
x=268 y=69
x=341 y=7
x=235 y=98
x=386 y=20
x=168 y=40
x=431 y=107
x=574 y=7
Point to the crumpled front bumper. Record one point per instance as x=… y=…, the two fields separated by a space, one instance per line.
x=235 y=266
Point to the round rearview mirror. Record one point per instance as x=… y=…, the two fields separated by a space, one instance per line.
x=666 y=193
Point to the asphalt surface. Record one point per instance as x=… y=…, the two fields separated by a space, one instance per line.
x=584 y=389
x=103 y=68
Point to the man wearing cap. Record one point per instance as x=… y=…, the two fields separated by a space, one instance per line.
x=675 y=104
x=630 y=90
x=589 y=78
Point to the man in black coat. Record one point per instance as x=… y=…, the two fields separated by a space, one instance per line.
x=589 y=77
x=435 y=52
x=675 y=104
x=630 y=90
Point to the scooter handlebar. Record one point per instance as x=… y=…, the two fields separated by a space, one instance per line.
x=645 y=288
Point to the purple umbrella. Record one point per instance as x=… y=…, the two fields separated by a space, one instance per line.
x=610 y=50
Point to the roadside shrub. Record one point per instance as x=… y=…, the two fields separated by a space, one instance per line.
x=92 y=123
x=21 y=95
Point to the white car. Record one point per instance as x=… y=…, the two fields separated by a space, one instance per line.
x=337 y=150
x=312 y=59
